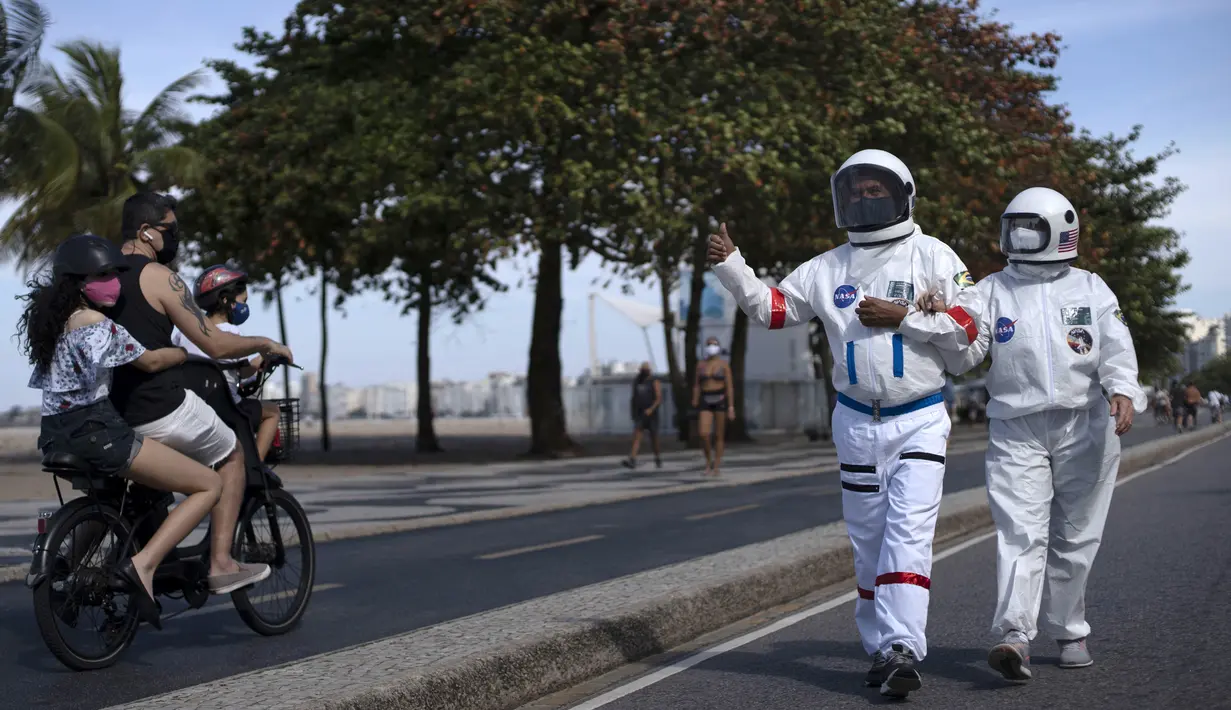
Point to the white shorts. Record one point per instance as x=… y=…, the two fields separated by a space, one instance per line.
x=194 y=430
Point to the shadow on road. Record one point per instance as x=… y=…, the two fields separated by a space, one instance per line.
x=810 y=662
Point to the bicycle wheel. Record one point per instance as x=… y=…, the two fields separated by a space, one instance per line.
x=275 y=532
x=86 y=543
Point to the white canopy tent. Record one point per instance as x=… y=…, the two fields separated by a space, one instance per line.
x=641 y=314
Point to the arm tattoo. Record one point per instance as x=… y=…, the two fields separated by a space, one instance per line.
x=185 y=296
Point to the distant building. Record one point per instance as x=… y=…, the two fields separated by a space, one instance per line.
x=1207 y=340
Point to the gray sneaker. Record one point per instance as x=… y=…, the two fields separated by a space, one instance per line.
x=900 y=676
x=876 y=672
x=247 y=575
x=1074 y=654
x=1011 y=657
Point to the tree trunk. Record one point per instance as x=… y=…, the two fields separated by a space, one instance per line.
x=737 y=430
x=286 y=371
x=425 y=431
x=692 y=325
x=544 y=389
x=321 y=386
x=679 y=387
x=822 y=368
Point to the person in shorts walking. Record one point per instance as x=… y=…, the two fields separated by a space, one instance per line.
x=646 y=400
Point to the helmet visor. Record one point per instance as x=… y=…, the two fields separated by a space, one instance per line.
x=867 y=197
x=1022 y=234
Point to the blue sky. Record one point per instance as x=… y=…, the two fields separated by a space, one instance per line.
x=1163 y=64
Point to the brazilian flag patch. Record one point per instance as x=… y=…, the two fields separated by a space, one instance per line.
x=1120 y=315
x=963 y=280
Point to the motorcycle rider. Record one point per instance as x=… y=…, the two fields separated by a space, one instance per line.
x=1058 y=341
x=153 y=299
x=890 y=426
x=223 y=294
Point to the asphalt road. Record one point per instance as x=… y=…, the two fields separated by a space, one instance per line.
x=1156 y=604
x=371 y=588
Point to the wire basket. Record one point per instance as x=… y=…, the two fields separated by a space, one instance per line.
x=286 y=443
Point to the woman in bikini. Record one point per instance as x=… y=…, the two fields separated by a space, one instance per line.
x=713 y=395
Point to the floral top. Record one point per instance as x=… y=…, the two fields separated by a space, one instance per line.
x=81 y=368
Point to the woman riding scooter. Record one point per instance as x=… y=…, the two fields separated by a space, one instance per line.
x=74 y=348
x=223 y=294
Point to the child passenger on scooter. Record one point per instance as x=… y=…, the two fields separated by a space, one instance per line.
x=223 y=294
x=73 y=348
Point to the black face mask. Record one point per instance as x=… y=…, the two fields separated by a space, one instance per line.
x=872 y=211
x=170 y=244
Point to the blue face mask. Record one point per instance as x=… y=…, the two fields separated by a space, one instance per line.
x=239 y=313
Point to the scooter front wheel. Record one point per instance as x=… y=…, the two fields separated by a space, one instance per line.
x=275 y=532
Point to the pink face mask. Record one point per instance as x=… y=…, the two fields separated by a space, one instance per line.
x=104 y=292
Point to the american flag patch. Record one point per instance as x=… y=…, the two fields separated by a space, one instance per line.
x=1068 y=240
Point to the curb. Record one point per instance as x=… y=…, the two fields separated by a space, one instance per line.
x=573 y=643
x=17 y=573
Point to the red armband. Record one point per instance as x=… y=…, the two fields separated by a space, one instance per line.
x=777 y=309
x=964 y=320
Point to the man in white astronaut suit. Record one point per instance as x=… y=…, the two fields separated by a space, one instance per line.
x=1058 y=342
x=890 y=426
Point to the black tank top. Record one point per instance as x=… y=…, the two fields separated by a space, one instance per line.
x=643 y=393
x=143 y=397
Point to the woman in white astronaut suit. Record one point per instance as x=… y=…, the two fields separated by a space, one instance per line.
x=890 y=426
x=1058 y=341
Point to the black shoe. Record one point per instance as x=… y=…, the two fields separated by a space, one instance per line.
x=148 y=610
x=658 y=463
x=900 y=676
x=629 y=463
x=876 y=673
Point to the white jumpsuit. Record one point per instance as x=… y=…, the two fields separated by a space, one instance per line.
x=890 y=427
x=1052 y=457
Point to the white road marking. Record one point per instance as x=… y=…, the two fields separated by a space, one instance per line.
x=712 y=652
x=536 y=548
x=227 y=606
x=726 y=511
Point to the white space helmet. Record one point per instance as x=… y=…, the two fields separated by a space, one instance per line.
x=1039 y=227
x=874 y=198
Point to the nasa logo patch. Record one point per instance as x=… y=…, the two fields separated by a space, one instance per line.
x=1005 y=329
x=1080 y=340
x=844 y=296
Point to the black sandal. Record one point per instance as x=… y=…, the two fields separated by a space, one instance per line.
x=148 y=609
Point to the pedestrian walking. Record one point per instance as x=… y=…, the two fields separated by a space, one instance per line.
x=1058 y=340
x=646 y=399
x=890 y=427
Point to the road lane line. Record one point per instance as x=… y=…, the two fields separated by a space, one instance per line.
x=536 y=548
x=224 y=606
x=702 y=656
x=726 y=511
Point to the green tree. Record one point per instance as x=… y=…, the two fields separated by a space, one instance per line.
x=86 y=153
x=344 y=113
x=286 y=181
x=1119 y=205
x=1216 y=375
x=23 y=24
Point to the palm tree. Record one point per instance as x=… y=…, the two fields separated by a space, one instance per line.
x=22 y=27
x=84 y=154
